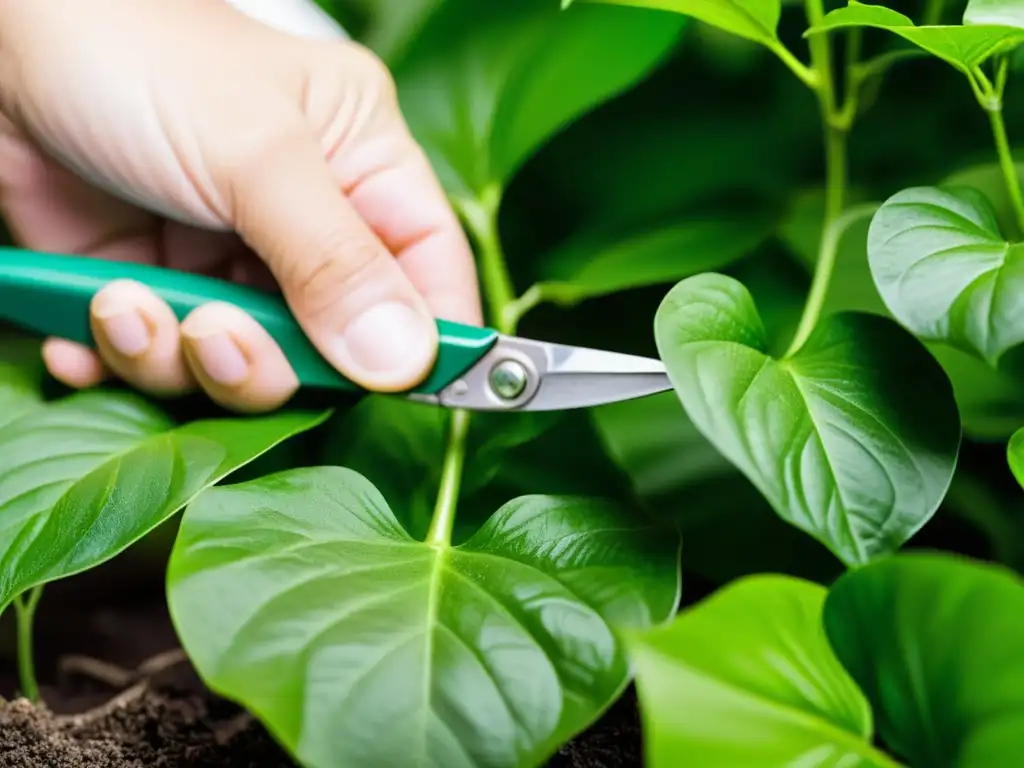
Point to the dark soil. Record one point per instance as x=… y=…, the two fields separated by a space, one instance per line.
x=103 y=710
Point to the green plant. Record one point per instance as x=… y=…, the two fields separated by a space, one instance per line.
x=841 y=368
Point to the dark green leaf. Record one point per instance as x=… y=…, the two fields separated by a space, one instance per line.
x=756 y=20
x=484 y=85
x=837 y=437
x=945 y=271
x=934 y=641
x=85 y=477
x=964 y=47
x=747 y=678
x=599 y=263
x=728 y=527
x=357 y=645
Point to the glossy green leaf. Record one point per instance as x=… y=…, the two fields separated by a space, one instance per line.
x=946 y=273
x=599 y=263
x=747 y=678
x=756 y=20
x=21 y=374
x=989 y=180
x=301 y=596
x=934 y=642
x=963 y=47
x=484 y=85
x=994 y=12
x=87 y=476
x=836 y=437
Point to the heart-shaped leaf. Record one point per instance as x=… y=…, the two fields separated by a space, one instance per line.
x=484 y=85
x=747 y=677
x=85 y=477
x=302 y=597
x=840 y=437
x=946 y=273
x=756 y=20
x=964 y=47
x=934 y=641
x=598 y=263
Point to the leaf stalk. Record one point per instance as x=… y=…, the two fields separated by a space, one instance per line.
x=990 y=97
x=25 y=612
x=443 y=522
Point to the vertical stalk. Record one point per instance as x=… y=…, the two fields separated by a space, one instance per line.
x=995 y=116
x=25 y=612
x=835 y=131
x=443 y=522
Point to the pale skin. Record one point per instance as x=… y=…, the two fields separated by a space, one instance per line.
x=186 y=134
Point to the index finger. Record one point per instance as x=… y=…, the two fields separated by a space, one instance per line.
x=389 y=181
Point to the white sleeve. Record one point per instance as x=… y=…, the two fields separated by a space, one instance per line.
x=303 y=18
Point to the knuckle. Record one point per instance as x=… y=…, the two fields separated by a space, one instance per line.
x=340 y=268
x=372 y=71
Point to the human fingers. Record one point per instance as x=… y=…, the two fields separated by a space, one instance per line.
x=137 y=336
x=391 y=184
x=343 y=285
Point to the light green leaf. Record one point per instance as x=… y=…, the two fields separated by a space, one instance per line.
x=946 y=273
x=21 y=375
x=994 y=12
x=963 y=47
x=301 y=596
x=598 y=263
x=837 y=437
x=484 y=85
x=988 y=179
x=87 y=476
x=747 y=678
x=934 y=642
x=756 y=20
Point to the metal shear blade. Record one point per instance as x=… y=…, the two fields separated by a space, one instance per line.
x=526 y=375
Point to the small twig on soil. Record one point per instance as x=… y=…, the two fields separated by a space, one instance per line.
x=120 y=701
x=117 y=677
x=225 y=733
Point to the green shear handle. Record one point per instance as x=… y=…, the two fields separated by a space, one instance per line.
x=50 y=294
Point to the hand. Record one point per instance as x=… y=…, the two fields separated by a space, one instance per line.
x=189 y=135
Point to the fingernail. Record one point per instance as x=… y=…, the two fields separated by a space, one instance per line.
x=127 y=332
x=221 y=359
x=390 y=338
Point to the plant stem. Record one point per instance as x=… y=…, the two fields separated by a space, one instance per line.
x=443 y=522
x=835 y=129
x=481 y=216
x=1006 y=163
x=25 y=611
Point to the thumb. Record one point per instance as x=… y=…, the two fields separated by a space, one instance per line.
x=344 y=287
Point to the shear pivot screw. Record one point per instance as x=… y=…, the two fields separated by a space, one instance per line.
x=508 y=379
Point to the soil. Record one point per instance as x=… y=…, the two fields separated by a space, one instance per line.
x=119 y=693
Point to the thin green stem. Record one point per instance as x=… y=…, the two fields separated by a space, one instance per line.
x=932 y=12
x=25 y=612
x=443 y=522
x=1007 y=165
x=805 y=74
x=481 y=216
x=835 y=131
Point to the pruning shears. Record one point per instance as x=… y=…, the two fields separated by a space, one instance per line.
x=476 y=368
